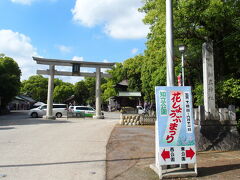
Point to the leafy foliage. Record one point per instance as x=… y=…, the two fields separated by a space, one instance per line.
x=91 y=86
x=9 y=79
x=108 y=90
x=131 y=70
x=228 y=92
x=195 y=22
x=36 y=87
x=81 y=92
x=200 y=21
x=198 y=95
x=62 y=92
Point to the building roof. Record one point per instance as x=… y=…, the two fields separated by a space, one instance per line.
x=19 y=98
x=123 y=83
x=129 y=94
x=27 y=98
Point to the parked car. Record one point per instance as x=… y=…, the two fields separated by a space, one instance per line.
x=59 y=110
x=88 y=111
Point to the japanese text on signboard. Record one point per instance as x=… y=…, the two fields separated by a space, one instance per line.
x=175 y=116
x=163 y=103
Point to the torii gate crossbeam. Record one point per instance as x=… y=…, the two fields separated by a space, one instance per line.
x=76 y=68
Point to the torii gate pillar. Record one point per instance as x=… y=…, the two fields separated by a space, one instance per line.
x=49 y=113
x=98 y=94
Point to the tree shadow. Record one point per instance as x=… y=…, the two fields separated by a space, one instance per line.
x=22 y=118
x=207 y=171
x=30 y=121
x=68 y=162
x=129 y=159
x=6 y=128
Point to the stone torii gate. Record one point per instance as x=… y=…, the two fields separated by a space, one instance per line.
x=76 y=66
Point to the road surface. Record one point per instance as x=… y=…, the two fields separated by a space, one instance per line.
x=32 y=149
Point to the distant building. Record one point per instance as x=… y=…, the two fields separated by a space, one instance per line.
x=21 y=102
x=124 y=97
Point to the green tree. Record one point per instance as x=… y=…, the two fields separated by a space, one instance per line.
x=228 y=92
x=129 y=70
x=216 y=20
x=195 y=22
x=36 y=87
x=62 y=92
x=117 y=73
x=108 y=90
x=154 y=68
x=81 y=93
x=9 y=79
x=90 y=83
x=132 y=69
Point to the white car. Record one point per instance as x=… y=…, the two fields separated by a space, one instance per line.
x=88 y=111
x=59 y=110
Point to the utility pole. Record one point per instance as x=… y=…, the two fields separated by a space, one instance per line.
x=182 y=49
x=169 y=43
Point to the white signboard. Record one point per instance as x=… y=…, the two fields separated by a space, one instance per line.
x=175 y=139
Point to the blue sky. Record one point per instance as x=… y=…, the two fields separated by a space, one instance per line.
x=88 y=30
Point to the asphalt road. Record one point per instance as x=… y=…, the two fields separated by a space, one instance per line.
x=32 y=149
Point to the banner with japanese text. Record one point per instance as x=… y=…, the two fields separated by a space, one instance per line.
x=175 y=125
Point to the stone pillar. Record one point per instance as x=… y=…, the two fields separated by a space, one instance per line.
x=217 y=129
x=49 y=114
x=98 y=94
x=208 y=82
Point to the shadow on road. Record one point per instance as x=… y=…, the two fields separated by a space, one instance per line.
x=22 y=118
x=29 y=122
x=69 y=162
x=207 y=171
x=8 y=128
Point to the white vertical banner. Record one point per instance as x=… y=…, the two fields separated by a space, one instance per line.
x=175 y=139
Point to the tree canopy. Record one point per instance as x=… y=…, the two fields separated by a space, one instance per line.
x=36 y=87
x=81 y=93
x=9 y=79
x=195 y=22
x=62 y=92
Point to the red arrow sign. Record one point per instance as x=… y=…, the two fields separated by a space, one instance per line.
x=190 y=153
x=165 y=155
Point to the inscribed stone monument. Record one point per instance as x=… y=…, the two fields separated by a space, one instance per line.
x=208 y=82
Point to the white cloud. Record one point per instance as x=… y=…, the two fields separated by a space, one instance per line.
x=105 y=61
x=64 y=49
x=25 y=2
x=121 y=18
x=104 y=70
x=77 y=58
x=29 y=2
x=134 y=50
x=18 y=46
